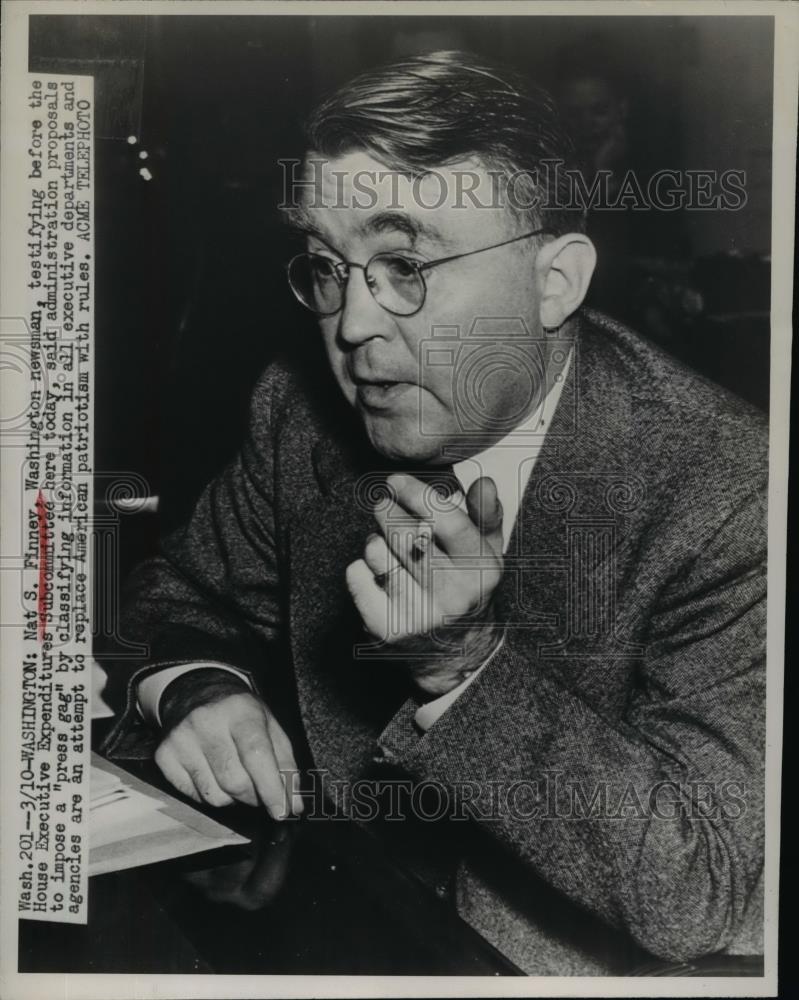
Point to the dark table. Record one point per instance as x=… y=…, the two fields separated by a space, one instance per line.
x=320 y=897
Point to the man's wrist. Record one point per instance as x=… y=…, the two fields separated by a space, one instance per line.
x=443 y=672
x=197 y=688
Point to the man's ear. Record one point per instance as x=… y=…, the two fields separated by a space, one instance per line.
x=564 y=268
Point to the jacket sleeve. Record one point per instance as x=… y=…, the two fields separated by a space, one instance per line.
x=654 y=818
x=213 y=592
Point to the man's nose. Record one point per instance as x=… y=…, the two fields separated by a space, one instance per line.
x=361 y=317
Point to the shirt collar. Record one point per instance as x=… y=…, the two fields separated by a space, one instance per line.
x=510 y=461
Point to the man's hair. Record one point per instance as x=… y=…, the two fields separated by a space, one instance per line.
x=433 y=110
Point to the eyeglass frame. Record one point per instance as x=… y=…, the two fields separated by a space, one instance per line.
x=418 y=266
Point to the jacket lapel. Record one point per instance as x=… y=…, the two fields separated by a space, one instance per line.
x=559 y=579
x=346 y=698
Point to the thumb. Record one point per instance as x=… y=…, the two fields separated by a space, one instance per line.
x=482 y=503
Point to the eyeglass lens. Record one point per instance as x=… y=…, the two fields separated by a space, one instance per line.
x=393 y=281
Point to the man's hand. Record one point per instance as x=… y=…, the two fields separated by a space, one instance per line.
x=425 y=582
x=228 y=748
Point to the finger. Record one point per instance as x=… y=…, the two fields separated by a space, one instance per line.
x=233 y=779
x=485 y=509
x=422 y=499
x=174 y=772
x=408 y=540
x=378 y=557
x=414 y=552
x=451 y=526
x=387 y=568
x=388 y=612
x=370 y=599
x=191 y=755
x=284 y=752
x=222 y=757
x=257 y=756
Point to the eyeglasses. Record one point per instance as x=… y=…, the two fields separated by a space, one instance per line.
x=396 y=282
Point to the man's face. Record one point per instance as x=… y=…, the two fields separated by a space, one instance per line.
x=385 y=364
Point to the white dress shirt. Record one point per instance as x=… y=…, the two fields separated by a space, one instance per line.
x=509 y=463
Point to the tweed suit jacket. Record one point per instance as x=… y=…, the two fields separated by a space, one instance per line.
x=621 y=727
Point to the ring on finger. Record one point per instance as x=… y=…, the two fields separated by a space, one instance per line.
x=420 y=545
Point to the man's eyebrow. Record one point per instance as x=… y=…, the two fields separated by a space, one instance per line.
x=300 y=223
x=414 y=229
x=300 y=226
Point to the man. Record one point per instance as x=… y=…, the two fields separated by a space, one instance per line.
x=567 y=638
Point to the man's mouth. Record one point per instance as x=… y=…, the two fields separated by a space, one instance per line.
x=378 y=394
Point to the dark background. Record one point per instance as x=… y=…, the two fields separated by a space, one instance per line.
x=191 y=294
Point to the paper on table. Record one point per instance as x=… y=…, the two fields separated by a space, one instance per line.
x=116 y=813
x=132 y=823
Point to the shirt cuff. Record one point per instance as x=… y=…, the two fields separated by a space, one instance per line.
x=149 y=690
x=433 y=710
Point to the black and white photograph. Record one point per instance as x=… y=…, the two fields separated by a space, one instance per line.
x=394 y=475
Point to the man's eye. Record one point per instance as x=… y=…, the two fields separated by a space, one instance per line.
x=400 y=268
x=323 y=268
